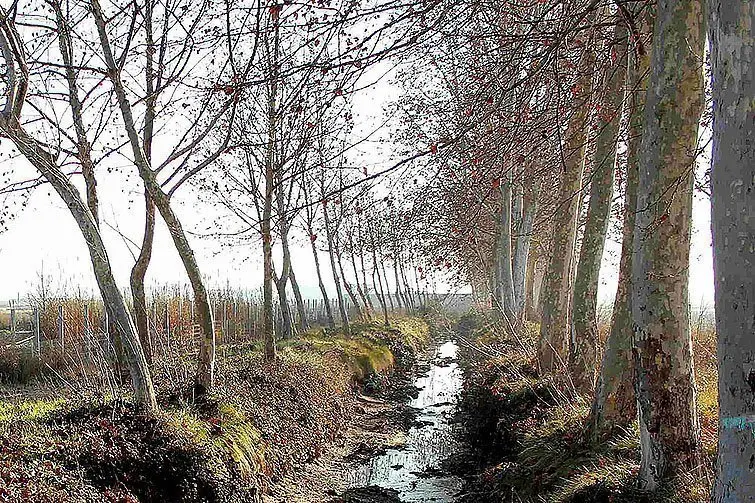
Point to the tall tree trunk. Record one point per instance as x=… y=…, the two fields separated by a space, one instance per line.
x=364 y=279
x=287 y=325
x=522 y=250
x=115 y=304
x=583 y=355
x=379 y=286
x=287 y=329
x=399 y=294
x=733 y=201
x=418 y=290
x=367 y=311
x=505 y=299
x=555 y=326
x=320 y=282
x=530 y=306
x=268 y=272
x=614 y=402
x=387 y=287
x=303 y=322
x=206 y=366
x=349 y=289
x=138 y=273
x=336 y=278
x=139 y=270
x=268 y=322
x=408 y=289
x=669 y=427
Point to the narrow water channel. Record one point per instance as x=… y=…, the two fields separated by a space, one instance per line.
x=412 y=469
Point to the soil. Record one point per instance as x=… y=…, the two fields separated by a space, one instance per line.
x=378 y=422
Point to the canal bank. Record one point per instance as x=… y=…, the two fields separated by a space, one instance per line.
x=404 y=442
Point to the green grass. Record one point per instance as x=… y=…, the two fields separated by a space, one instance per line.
x=29 y=410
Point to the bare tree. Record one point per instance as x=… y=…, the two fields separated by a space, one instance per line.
x=44 y=159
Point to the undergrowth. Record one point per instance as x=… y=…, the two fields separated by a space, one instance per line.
x=264 y=419
x=530 y=431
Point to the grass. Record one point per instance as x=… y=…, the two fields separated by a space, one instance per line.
x=29 y=410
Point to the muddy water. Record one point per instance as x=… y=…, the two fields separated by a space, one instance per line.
x=412 y=469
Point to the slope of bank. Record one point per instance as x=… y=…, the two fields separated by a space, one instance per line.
x=528 y=430
x=265 y=420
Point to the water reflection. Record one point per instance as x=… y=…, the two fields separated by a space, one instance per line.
x=411 y=469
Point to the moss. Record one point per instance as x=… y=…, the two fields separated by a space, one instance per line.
x=367 y=350
x=227 y=434
x=415 y=331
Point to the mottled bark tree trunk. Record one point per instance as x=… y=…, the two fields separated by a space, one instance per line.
x=407 y=289
x=364 y=277
x=138 y=274
x=583 y=354
x=387 y=287
x=614 y=402
x=268 y=273
x=349 y=289
x=360 y=290
x=521 y=262
x=302 y=322
x=268 y=323
x=139 y=270
x=530 y=304
x=205 y=375
x=379 y=287
x=377 y=282
x=733 y=201
x=17 y=75
x=287 y=328
x=287 y=323
x=555 y=322
x=399 y=294
x=505 y=303
x=115 y=304
x=669 y=427
x=320 y=282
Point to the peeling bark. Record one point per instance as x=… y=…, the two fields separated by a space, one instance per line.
x=205 y=375
x=583 y=354
x=662 y=346
x=733 y=201
x=521 y=264
x=40 y=157
x=614 y=402
x=555 y=323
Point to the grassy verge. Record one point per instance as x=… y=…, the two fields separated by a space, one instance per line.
x=530 y=432
x=265 y=419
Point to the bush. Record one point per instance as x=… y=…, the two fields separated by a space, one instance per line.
x=17 y=366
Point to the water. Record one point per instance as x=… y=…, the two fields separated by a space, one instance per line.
x=412 y=468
